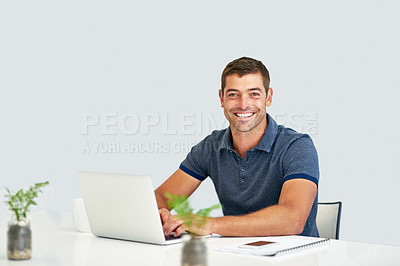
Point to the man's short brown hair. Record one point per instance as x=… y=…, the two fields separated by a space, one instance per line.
x=243 y=66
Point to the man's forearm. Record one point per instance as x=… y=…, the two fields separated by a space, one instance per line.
x=286 y=218
x=274 y=220
x=179 y=183
x=161 y=200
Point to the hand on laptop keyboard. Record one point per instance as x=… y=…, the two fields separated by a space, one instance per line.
x=169 y=237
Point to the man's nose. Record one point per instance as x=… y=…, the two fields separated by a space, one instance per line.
x=243 y=102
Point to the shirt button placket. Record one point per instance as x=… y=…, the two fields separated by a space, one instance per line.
x=243 y=172
x=242 y=176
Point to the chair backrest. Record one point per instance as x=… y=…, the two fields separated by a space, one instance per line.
x=328 y=219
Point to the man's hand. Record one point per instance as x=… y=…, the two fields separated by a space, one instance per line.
x=181 y=184
x=171 y=223
x=199 y=226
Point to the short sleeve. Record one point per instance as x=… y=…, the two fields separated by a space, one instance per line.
x=301 y=160
x=195 y=163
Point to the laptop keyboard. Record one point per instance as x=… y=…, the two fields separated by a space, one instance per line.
x=171 y=237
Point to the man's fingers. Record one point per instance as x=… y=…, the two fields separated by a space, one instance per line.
x=171 y=223
x=168 y=222
x=165 y=215
x=179 y=230
x=171 y=226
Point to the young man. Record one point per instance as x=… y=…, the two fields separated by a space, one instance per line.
x=266 y=176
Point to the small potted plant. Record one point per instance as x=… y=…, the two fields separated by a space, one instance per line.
x=194 y=251
x=19 y=235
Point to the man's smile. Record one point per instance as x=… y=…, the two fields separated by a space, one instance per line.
x=247 y=114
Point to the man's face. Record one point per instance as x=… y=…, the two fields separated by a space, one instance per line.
x=245 y=101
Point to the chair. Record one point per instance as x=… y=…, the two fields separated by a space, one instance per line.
x=328 y=219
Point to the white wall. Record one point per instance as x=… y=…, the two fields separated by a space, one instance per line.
x=61 y=61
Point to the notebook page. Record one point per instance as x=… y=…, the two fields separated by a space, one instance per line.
x=284 y=245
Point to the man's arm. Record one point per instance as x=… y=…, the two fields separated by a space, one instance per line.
x=179 y=184
x=288 y=217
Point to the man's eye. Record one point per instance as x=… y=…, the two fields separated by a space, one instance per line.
x=255 y=94
x=232 y=95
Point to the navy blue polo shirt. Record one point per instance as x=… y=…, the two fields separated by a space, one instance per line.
x=255 y=182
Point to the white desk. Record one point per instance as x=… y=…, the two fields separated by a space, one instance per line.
x=56 y=242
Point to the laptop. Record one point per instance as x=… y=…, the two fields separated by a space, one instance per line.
x=122 y=206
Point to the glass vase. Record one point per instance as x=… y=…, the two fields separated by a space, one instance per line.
x=19 y=240
x=194 y=252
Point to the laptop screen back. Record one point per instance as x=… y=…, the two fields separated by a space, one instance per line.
x=121 y=206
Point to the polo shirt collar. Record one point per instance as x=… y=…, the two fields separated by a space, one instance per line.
x=265 y=143
x=226 y=142
x=269 y=136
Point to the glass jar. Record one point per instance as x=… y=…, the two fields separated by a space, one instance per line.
x=194 y=252
x=19 y=240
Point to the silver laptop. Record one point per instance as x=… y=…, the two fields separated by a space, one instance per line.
x=122 y=206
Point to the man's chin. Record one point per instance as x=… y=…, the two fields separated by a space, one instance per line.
x=243 y=128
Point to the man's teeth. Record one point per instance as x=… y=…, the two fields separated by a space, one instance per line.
x=244 y=115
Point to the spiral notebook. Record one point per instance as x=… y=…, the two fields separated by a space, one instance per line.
x=283 y=245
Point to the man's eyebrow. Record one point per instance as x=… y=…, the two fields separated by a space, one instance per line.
x=254 y=89
x=229 y=90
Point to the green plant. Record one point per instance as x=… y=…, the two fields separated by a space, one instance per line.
x=20 y=202
x=182 y=207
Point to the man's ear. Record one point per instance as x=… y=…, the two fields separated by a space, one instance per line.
x=221 y=98
x=269 y=97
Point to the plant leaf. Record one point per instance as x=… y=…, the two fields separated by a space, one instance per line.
x=19 y=202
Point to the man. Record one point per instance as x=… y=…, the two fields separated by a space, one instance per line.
x=266 y=176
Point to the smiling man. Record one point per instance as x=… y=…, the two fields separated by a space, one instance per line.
x=266 y=175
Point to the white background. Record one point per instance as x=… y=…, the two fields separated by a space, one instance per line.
x=60 y=61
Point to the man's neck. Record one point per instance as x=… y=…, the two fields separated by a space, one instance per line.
x=244 y=141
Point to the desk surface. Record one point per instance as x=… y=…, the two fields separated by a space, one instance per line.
x=56 y=242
